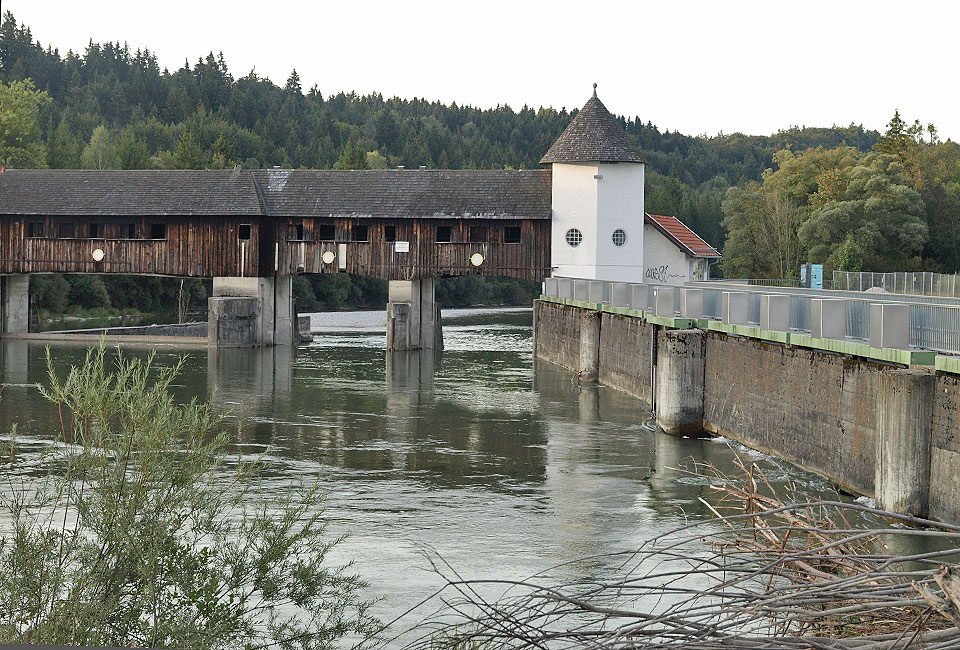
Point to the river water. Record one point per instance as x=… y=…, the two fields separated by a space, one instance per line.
x=503 y=465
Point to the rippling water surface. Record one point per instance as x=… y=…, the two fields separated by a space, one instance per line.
x=504 y=466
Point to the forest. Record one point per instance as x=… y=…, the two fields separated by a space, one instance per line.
x=851 y=198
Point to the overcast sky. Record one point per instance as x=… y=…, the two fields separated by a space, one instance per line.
x=693 y=67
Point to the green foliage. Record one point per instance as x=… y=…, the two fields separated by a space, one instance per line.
x=100 y=152
x=50 y=290
x=352 y=156
x=87 y=291
x=132 y=152
x=187 y=154
x=132 y=528
x=872 y=202
x=21 y=143
x=473 y=290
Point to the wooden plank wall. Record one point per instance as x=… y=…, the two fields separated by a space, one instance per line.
x=210 y=246
x=192 y=248
x=377 y=257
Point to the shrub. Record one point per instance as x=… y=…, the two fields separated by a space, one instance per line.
x=133 y=529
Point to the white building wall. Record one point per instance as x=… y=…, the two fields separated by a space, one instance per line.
x=574 y=206
x=665 y=263
x=620 y=206
x=598 y=199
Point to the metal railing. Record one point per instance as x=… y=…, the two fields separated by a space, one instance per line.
x=918 y=284
x=934 y=324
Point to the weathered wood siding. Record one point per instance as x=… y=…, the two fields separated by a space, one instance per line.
x=191 y=247
x=210 y=246
x=529 y=258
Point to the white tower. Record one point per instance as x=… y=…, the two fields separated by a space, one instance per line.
x=597 y=225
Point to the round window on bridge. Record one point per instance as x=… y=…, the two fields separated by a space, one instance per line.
x=619 y=237
x=574 y=237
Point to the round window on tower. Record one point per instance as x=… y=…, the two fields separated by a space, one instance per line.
x=574 y=237
x=619 y=237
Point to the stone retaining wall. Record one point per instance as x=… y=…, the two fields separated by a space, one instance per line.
x=558 y=334
x=625 y=345
x=816 y=409
x=945 y=450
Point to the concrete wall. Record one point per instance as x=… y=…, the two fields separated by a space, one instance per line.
x=816 y=409
x=14 y=304
x=272 y=319
x=625 y=347
x=945 y=450
x=825 y=411
x=558 y=334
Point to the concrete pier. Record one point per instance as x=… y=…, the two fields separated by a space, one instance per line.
x=251 y=312
x=413 y=316
x=589 y=366
x=902 y=480
x=679 y=386
x=15 y=304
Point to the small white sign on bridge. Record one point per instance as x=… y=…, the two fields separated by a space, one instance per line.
x=401 y=247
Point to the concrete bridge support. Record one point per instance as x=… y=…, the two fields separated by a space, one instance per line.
x=15 y=304
x=902 y=479
x=413 y=316
x=251 y=312
x=680 y=370
x=589 y=366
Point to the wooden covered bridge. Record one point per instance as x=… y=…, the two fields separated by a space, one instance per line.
x=252 y=230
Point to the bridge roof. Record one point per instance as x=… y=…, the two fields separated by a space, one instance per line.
x=379 y=193
x=422 y=194
x=70 y=192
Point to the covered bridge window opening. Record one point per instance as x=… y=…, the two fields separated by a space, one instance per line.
x=95 y=231
x=326 y=232
x=243 y=232
x=297 y=232
x=158 y=231
x=35 y=230
x=359 y=233
x=127 y=231
x=511 y=235
x=478 y=234
x=389 y=233
x=444 y=234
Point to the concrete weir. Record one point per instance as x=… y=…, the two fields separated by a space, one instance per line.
x=873 y=427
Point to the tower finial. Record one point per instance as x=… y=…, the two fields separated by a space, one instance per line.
x=594 y=88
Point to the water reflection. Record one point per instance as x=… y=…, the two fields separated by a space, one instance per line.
x=504 y=466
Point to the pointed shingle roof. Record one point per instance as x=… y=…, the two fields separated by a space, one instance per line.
x=594 y=135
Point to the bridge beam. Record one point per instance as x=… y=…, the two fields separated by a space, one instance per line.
x=413 y=316
x=15 y=304
x=251 y=312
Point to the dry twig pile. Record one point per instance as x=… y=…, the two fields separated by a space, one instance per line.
x=771 y=571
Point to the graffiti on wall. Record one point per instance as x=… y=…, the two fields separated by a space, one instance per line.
x=660 y=274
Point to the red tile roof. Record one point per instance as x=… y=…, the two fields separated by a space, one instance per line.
x=681 y=235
